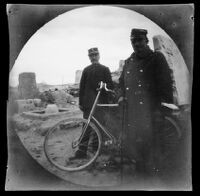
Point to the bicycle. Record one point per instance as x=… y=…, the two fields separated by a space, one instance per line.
x=62 y=140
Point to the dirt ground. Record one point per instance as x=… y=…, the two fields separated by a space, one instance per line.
x=31 y=132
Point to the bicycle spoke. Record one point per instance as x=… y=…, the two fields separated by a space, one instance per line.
x=59 y=149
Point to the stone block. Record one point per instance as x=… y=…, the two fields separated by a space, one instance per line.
x=37 y=102
x=51 y=108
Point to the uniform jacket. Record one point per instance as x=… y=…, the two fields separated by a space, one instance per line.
x=90 y=79
x=145 y=82
x=149 y=75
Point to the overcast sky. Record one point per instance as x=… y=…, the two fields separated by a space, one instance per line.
x=61 y=46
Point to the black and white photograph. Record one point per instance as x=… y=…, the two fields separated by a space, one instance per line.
x=99 y=97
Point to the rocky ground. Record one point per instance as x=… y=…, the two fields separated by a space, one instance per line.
x=31 y=132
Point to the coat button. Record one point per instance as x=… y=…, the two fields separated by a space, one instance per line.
x=128 y=72
x=141 y=102
x=127 y=88
x=141 y=70
x=139 y=85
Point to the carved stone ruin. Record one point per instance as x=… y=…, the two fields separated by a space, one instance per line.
x=180 y=73
x=27 y=85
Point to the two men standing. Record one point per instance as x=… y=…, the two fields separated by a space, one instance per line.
x=145 y=82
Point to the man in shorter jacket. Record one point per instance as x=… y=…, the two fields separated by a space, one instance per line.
x=91 y=77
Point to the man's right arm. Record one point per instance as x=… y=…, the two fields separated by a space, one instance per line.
x=164 y=79
x=82 y=90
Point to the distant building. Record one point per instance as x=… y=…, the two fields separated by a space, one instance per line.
x=116 y=74
x=78 y=76
x=121 y=65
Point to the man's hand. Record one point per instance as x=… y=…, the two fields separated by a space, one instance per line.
x=170 y=106
x=121 y=100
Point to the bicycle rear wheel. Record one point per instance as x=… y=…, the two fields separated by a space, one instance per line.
x=170 y=137
x=58 y=144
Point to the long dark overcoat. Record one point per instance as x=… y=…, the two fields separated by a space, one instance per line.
x=145 y=82
x=90 y=79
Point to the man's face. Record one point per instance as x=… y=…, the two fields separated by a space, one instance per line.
x=139 y=43
x=94 y=58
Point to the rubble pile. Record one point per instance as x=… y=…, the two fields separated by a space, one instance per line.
x=62 y=98
x=46 y=98
x=59 y=97
x=73 y=90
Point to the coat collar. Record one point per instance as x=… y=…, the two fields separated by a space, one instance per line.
x=143 y=55
x=95 y=64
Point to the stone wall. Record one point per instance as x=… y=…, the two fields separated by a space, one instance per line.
x=27 y=85
x=24 y=105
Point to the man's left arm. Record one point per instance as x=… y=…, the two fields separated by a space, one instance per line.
x=164 y=80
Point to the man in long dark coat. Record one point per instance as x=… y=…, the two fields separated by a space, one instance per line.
x=91 y=77
x=145 y=82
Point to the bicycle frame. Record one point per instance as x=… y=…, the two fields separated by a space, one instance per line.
x=91 y=117
x=105 y=130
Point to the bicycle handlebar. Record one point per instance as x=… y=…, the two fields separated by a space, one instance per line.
x=104 y=85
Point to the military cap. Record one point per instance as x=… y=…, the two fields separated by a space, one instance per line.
x=136 y=33
x=93 y=51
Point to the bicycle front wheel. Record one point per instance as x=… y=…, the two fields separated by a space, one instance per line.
x=59 y=144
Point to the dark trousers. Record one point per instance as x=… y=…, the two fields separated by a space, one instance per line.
x=150 y=149
x=83 y=146
x=157 y=138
